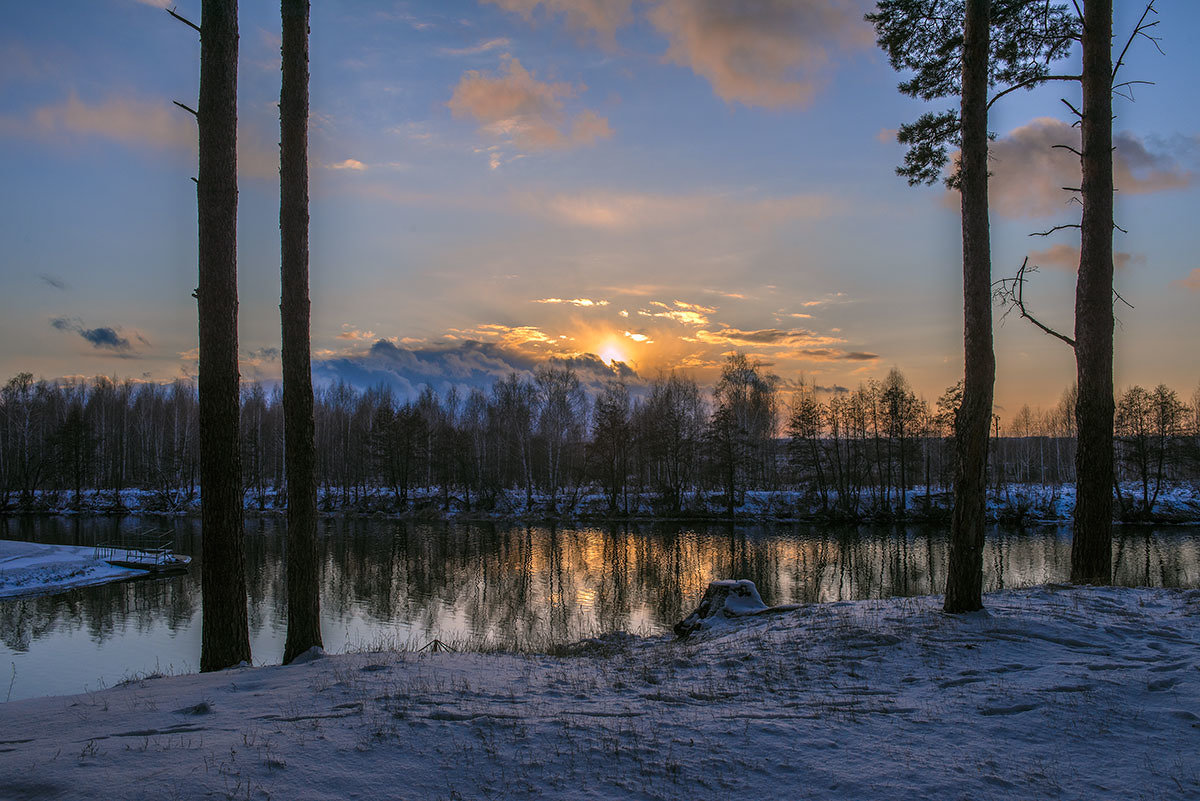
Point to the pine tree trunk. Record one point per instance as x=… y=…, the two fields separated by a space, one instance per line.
x=303 y=584
x=225 y=640
x=964 y=577
x=1091 y=546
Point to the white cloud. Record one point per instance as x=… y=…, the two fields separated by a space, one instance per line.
x=474 y=50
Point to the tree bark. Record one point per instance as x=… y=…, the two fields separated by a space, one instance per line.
x=964 y=577
x=225 y=638
x=303 y=585
x=1091 y=546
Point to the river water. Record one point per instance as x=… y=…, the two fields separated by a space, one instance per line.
x=386 y=583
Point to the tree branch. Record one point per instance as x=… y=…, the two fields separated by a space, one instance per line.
x=1068 y=147
x=1056 y=228
x=1032 y=82
x=188 y=109
x=1138 y=29
x=1012 y=291
x=184 y=20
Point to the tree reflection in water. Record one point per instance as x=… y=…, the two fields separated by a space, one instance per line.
x=390 y=583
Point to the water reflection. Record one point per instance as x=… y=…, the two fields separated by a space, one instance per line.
x=391 y=582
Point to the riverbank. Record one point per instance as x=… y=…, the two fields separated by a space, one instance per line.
x=1177 y=504
x=1052 y=693
x=28 y=568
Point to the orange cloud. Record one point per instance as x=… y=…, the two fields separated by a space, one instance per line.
x=352 y=333
x=628 y=211
x=1066 y=257
x=582 y=302
x=517 y=107
x=139 y=123
x=349 y=164
x=770 y=53
x=1191 y=281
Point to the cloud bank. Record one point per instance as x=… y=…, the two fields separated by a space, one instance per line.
x=462 y=365
x=1029 y=172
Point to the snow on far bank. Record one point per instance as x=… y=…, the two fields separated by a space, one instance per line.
x=1052 y=693
x=1035 y=503
x=30 y=568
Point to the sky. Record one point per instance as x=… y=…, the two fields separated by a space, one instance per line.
x=634 y=186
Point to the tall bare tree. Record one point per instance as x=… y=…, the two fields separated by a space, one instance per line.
x=303 y=587
x=225 y=639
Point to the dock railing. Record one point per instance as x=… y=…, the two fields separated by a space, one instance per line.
x=152 y=548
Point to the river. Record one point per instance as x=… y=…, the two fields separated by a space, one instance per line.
x=386 y=583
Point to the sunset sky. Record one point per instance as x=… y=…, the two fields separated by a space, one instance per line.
x=655 y=182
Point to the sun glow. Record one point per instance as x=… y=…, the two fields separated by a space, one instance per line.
x=610 y=354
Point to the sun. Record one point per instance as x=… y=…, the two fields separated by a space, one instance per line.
x=610 y=354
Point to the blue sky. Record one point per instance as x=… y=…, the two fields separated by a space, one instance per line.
x=657 y=182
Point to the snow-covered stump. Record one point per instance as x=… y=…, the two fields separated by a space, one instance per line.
x=723 y=600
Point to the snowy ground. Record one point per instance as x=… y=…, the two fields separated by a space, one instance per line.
x=1053 y=693
x=29 y=568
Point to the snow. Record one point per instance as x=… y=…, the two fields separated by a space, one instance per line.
x=29 y=568
x=724 y=601
x=1035 y=503
x=1053 y=692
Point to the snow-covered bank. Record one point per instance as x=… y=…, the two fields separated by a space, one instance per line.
x=1028 y=503
x=1053 y=693
x=29 y=568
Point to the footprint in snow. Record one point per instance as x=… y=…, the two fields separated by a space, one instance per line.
x=1007 y=710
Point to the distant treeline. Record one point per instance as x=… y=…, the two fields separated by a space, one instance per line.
x=544 y=436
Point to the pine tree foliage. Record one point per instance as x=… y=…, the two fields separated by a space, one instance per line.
x=924 y=38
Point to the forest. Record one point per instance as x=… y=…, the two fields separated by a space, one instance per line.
x=535 y=444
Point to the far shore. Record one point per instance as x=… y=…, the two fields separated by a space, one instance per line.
x=1024 y=504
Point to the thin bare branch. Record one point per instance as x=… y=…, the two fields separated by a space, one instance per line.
x=1056 y=228
x=184 y=20
x=1067 y=147
x=1011 y=291
x=1067 y=103
x=1117 y=295
x=1138 y=29
x=1033 y=82
x=188 y=109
